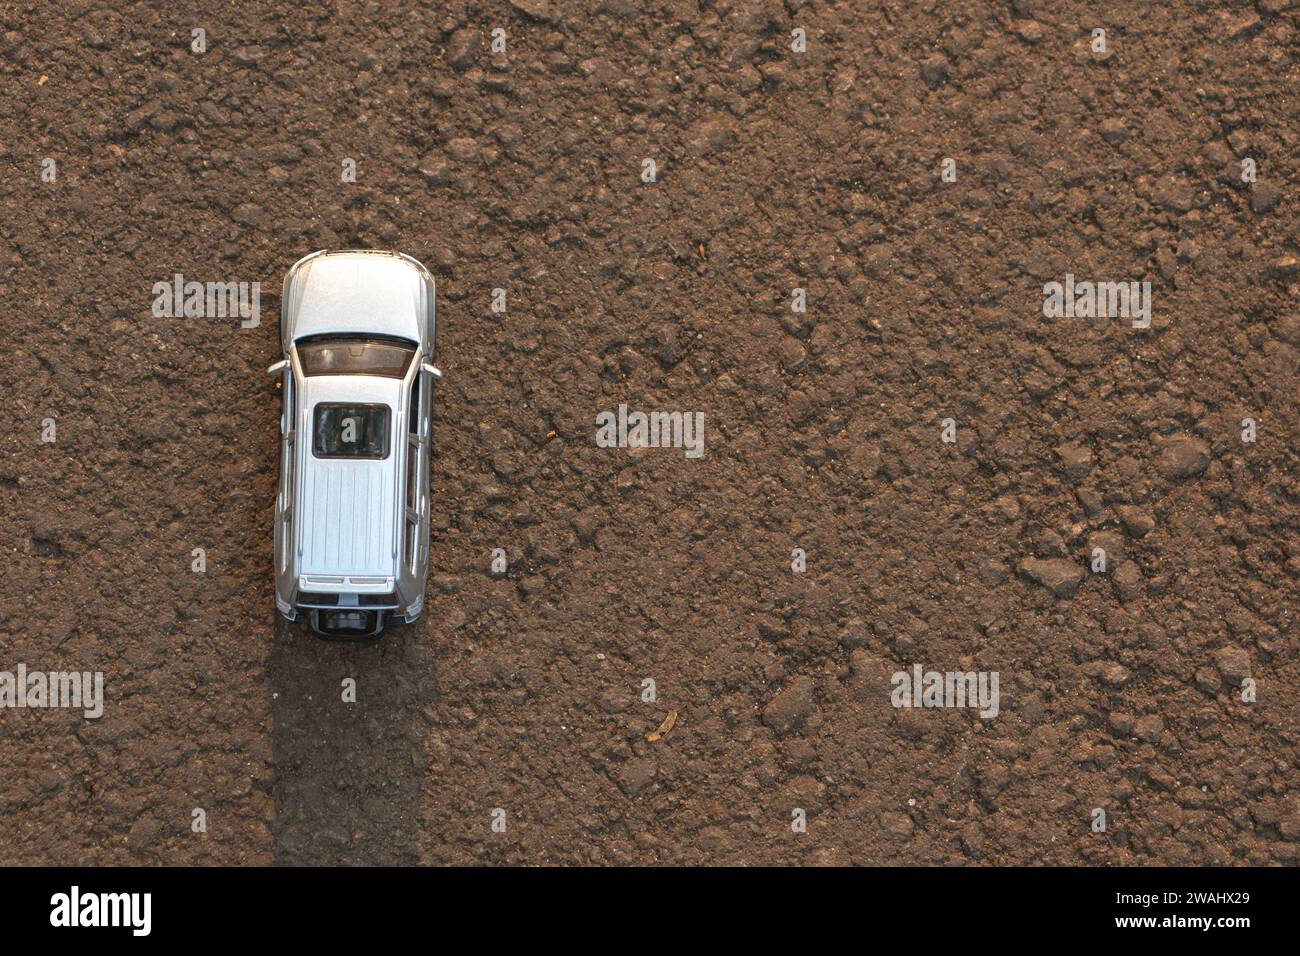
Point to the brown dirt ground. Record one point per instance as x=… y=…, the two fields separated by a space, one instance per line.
x=776 y=170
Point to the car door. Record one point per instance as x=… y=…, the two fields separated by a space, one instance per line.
x=416 y=554
x=426 y=467
x=285 y=501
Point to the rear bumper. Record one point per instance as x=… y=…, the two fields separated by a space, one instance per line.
x=348 y=606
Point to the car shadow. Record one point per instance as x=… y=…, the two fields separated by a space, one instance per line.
x=348 y=775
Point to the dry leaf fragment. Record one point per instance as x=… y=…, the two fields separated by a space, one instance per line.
x=666 y=726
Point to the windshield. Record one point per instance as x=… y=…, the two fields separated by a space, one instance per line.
x=350 y=431
x=343 y=356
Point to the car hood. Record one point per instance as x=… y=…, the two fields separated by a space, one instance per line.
x=355 y=292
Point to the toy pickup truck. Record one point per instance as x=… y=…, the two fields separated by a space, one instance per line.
x=352 y=515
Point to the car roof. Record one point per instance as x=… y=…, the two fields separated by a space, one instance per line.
x=380 y=293
x=348 y=507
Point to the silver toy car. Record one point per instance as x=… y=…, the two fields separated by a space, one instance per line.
x=352 y=516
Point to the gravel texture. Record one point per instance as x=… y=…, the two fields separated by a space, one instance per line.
x=523 y=692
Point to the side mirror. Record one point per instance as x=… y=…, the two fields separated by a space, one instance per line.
x=279 y=366
x=432 y=370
